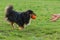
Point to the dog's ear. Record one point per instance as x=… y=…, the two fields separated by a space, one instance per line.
x=29 y=11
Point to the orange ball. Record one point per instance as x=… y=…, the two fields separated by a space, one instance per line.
x=33 y=17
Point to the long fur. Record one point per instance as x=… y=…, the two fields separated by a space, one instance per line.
x=20 y=18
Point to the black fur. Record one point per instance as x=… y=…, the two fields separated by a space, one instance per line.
x=19 y=18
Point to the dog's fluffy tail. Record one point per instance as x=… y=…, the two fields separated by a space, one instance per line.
x=8 y=9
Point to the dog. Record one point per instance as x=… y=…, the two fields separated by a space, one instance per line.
x=20 y=18
x=55 y=17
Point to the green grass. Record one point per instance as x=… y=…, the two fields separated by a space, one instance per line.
x=40 y=29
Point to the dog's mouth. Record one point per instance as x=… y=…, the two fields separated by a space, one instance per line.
x=33 y=16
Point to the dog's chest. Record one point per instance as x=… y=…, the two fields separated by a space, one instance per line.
x=28 y=23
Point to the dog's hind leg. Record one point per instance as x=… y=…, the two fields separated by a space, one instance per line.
x=12 y=23
x=21 y=27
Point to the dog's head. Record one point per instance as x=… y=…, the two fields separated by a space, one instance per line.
x=32 y=14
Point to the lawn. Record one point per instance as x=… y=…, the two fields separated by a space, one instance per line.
x=40 y=29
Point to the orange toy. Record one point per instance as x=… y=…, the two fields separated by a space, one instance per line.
x=33 y=17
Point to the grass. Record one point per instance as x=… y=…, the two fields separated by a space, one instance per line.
x=40 y=29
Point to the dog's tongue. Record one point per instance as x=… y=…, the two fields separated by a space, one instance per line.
x=33 y=17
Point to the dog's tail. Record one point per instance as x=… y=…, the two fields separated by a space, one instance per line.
x=8 y=10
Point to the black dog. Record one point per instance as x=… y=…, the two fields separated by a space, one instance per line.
x=20 y=18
